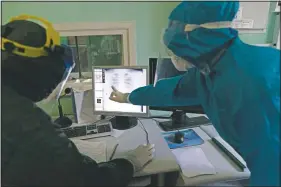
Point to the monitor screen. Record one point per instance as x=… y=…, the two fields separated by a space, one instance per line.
x=170 y=71
x=125 y=80
x=166 y=70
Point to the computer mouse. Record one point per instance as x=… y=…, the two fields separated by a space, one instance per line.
x=179 y=137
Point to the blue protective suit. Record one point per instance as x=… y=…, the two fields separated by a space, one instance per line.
x=242 y=98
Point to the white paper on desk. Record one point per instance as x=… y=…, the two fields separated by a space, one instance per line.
x=94 y=150
x=193 y=162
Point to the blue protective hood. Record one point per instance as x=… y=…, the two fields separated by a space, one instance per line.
x=201 y=41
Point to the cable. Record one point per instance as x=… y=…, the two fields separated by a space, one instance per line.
x=146 y=133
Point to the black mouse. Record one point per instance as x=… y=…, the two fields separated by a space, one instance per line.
x=179 y=137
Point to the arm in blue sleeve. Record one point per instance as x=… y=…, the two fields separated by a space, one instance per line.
x=175 y=91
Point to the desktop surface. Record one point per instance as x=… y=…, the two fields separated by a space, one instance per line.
x=164 y=160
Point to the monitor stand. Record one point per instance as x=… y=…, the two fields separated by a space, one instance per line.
x=123 y=122
x=181 y=121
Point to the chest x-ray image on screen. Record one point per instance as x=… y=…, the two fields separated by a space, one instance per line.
x=124 y=79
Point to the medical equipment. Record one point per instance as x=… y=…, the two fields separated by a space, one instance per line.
x=124 y=79
x=179 y=118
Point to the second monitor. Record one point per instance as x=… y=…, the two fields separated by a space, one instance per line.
x=179 y=119
x=125 y=80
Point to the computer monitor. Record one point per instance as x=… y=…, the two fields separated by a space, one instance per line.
x=124 y=79
x=82 y=105
x=179 y=119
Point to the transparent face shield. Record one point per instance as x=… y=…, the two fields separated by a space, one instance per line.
x=69 y=66
x=168 y=64
x=66 y=75
x=165 y=69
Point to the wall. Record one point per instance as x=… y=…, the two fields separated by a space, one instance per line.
x=150 y=18
x=268 y=36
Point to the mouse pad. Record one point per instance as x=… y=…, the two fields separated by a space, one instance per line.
x=191 y=138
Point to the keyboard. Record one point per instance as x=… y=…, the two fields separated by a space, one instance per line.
x=89 y=130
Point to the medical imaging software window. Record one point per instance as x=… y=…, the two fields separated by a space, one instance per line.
x=124 y=80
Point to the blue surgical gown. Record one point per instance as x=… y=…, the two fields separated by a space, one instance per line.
x=242 y=100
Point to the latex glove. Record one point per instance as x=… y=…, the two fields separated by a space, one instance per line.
x=118 y=96
x=140 y=156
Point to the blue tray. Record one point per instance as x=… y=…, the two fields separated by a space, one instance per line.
x=191 y=138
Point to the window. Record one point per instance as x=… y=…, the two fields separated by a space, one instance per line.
x=99 y=44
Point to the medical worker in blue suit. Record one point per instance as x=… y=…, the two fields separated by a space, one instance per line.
x=237 y=84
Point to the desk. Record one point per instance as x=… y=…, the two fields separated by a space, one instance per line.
x=164 y=160
x=226 y=169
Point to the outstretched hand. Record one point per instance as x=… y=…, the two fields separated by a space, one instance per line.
x=118 y=96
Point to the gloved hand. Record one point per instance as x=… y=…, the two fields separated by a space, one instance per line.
x=118 y=96
x=139 y=157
